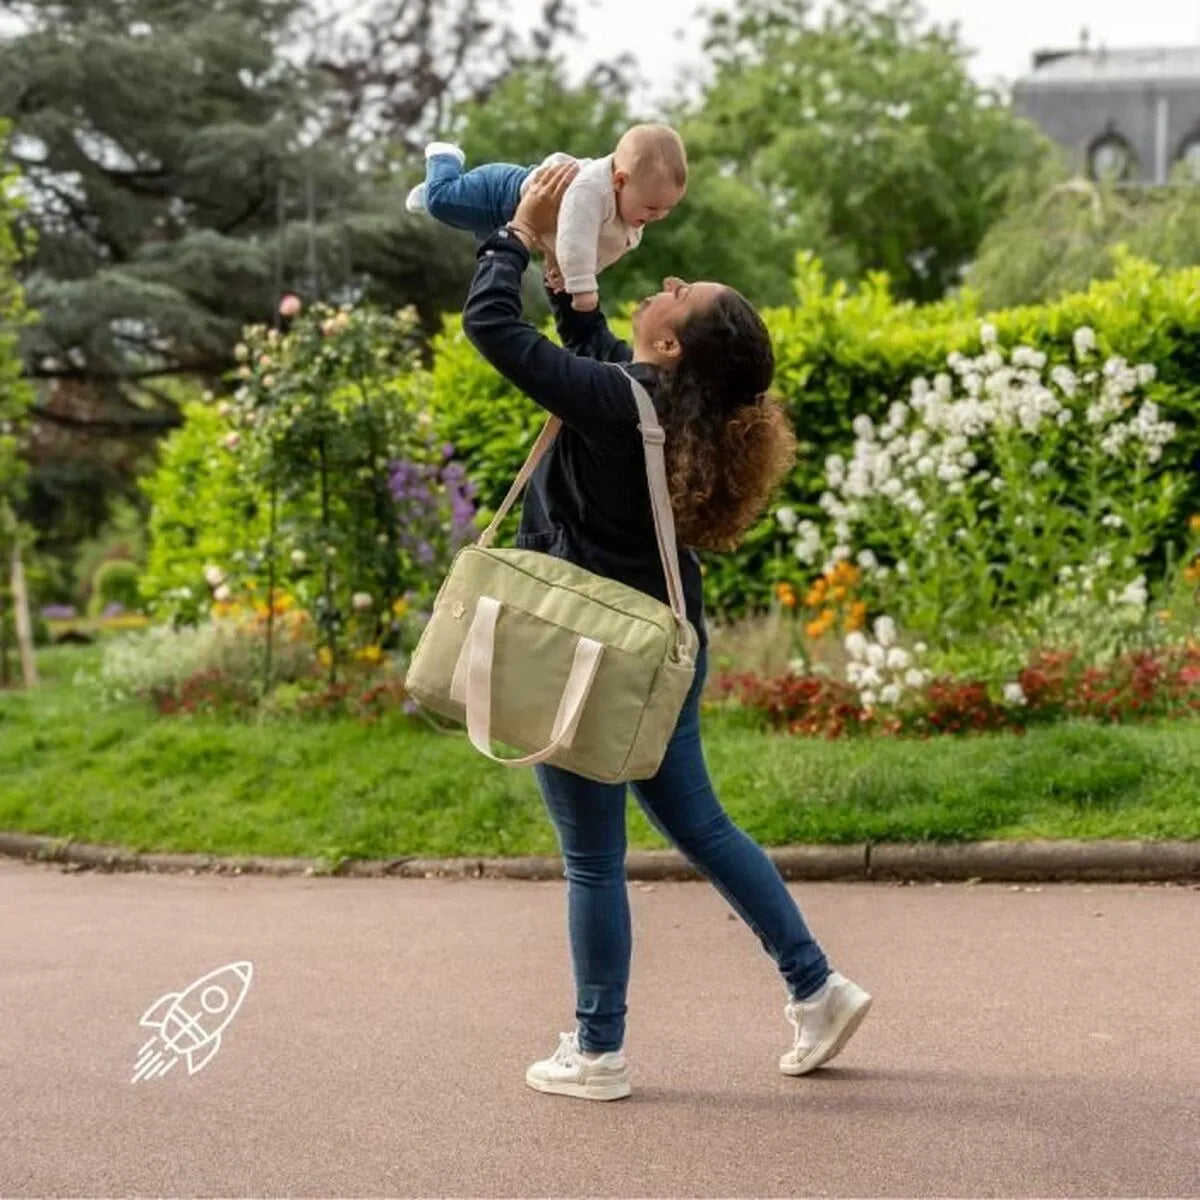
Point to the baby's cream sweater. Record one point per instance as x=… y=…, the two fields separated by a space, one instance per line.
x=591 y=233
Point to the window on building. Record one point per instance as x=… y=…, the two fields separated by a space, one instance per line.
x=1110 y=159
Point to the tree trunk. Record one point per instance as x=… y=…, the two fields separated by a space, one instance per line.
x=5 y=675
x=272 y=524
x=20 y=603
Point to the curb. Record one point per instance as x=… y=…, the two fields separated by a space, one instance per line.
x=1008 y=862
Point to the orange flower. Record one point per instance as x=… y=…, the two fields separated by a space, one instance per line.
x=844 y=573
x=815 y=594
x=822 y=625
x=1194 y=522
x=786 y=595
x=282 y=606
x=856 y=618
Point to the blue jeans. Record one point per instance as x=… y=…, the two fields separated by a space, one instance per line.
x=681 y=804
x=479 y=200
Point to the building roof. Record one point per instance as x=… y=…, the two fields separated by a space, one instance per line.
x=1105 y=68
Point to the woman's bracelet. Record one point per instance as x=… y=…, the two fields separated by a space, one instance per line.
x=528 y=238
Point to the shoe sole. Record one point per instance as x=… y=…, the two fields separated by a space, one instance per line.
x=581 y=1091
x=828 y=1050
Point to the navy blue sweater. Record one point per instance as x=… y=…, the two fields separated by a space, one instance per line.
x=588 y=502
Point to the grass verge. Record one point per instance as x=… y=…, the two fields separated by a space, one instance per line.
x=70 y=766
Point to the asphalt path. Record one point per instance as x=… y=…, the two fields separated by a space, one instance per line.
x=1025 y=1041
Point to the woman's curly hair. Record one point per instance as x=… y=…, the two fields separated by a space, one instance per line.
x=729 y=442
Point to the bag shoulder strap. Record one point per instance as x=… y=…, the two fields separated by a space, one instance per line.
x=653 y=440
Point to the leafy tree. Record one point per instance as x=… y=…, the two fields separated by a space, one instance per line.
x=852 y=131
x=860 y=113
x=15 y=393
x=725 y=229
x=1061 y=234
x=15 y=399
x=399 y=68
x=534 y=111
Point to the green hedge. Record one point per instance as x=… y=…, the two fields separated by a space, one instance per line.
x=116 y=582
x=841 y=352
x=200 y=511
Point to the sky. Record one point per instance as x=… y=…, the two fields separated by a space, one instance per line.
x=664 y=35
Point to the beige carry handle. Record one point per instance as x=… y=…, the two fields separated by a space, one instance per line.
x=472 y=687
x=653 y=440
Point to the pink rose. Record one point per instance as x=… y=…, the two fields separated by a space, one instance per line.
x=290 y=306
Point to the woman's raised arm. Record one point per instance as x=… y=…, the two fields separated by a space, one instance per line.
x=589 y=395
x=587 y=333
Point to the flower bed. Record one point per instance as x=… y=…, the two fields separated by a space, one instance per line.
x=331 y=516
x=1054 y=685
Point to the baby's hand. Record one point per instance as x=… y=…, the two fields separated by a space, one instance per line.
x=586 y=301
x=554 y=276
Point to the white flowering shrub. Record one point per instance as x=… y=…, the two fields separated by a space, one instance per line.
x=883 y=671
x=161 y=659
x=1003 y=493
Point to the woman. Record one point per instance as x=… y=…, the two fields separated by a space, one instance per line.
x=705 y=357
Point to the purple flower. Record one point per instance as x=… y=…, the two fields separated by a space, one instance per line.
x=59 y=612
x=436 y=502
x=114 y=609
x=403 y=476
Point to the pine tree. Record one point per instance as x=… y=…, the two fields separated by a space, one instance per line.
x=186 y=164
x=177 y=188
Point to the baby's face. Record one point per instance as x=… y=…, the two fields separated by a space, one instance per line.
x=643 y=199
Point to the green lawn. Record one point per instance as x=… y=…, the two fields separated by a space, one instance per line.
x=70 y=766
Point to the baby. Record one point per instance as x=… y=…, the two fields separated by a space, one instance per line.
x=603 y=212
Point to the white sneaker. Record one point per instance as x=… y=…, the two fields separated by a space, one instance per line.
x=416 y=200
x=446 y=148
x=567 y=1072
x=824 y=1024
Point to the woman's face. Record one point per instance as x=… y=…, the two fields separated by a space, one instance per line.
x=657 y=318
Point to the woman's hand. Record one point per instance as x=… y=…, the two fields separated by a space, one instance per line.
x=536 y=218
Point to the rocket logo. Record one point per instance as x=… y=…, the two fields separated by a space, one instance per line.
x=189 y=1024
